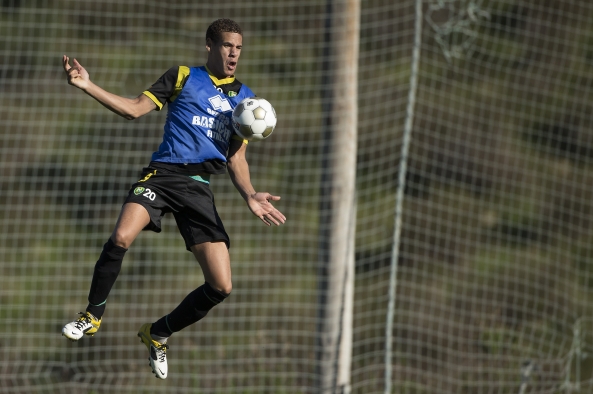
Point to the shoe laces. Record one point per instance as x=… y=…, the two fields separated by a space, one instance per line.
x=161 y=351
x=83 y=320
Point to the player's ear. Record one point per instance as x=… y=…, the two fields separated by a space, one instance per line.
x=208 y=44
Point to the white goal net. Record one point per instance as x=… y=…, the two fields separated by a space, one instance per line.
x=474 y=270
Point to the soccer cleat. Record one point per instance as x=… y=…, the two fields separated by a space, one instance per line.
x=157 y=352
x=86 y=324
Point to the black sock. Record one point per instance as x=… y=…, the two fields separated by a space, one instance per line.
x=192 y=309
x=106 y=272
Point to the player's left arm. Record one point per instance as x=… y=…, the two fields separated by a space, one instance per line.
x=258 y=202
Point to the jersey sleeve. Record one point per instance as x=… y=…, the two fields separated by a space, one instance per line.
x=168 y=86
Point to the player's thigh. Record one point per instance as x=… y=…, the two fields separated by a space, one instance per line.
x=215 y=261
x=133 y=218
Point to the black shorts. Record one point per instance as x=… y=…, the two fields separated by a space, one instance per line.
x=191 y=202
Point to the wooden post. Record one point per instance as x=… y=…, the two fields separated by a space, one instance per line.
x=338 y=198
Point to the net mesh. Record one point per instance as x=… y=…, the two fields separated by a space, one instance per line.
x=494 y=280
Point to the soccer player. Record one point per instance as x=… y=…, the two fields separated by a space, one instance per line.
x=198 y=142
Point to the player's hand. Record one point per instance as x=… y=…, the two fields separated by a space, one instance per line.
x=77 y=75
x=260 y=205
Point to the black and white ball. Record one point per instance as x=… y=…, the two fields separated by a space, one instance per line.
x=254 y=118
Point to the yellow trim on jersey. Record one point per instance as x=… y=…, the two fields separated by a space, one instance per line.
x=236 y=137
x=217 y=81
x=182 y=75
x=153 y=98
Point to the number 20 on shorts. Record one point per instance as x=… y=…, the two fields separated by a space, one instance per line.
x=145 y=193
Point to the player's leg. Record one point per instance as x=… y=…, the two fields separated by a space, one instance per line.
x=132 y=219
x=216 y=266
x=205 y=236
x=215 y=262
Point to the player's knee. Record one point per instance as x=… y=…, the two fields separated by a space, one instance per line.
x=217 y=292
x=120 y=239
x=226 y=290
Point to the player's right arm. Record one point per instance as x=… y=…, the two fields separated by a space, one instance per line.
x=126 y=107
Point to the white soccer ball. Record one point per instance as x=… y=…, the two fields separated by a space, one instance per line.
x=254 y=118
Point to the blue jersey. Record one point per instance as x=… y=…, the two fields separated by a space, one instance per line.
x=198 y=126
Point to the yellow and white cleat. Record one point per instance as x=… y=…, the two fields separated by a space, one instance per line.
x=86 y=324
x=157 y=352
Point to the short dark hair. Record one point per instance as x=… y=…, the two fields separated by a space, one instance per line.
x=220 y=26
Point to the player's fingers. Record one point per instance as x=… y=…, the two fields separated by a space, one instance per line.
x=276 y=217
x=271 y=219
x=66 y=63
x=274 y=198
x=263 y=219
x=279 y=216
x=73 y=75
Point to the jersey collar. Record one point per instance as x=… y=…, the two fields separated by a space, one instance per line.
x=217 y=81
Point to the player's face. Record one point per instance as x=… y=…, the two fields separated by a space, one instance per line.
x=223 y=56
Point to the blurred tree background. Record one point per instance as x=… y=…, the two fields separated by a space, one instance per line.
x=494 y=280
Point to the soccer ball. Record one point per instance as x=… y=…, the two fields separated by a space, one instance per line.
x=254 y=118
